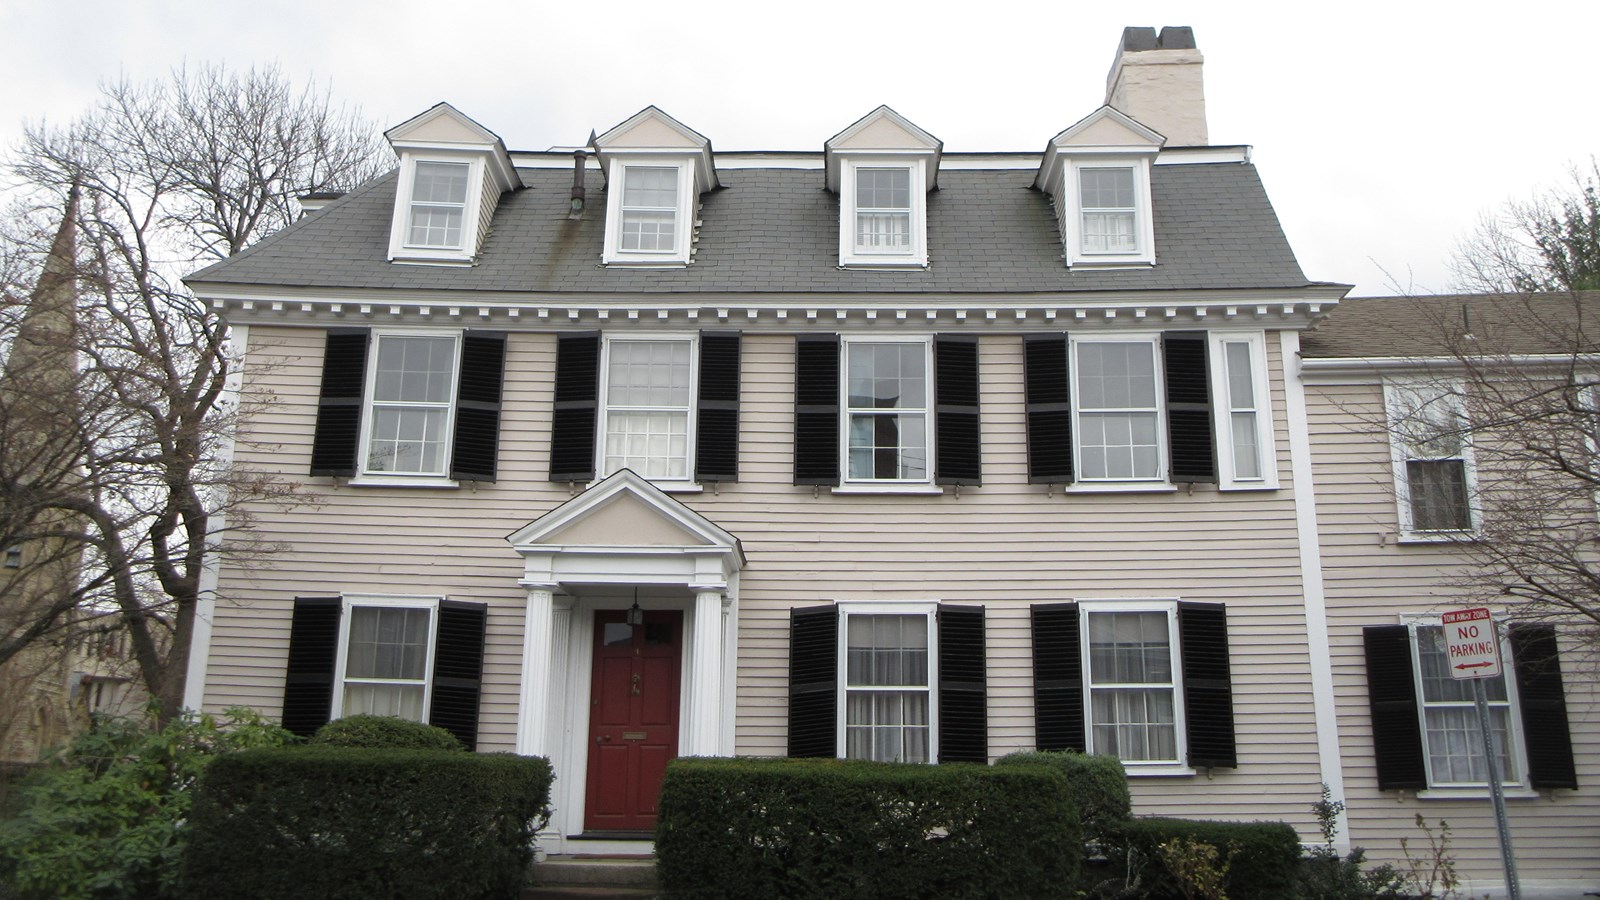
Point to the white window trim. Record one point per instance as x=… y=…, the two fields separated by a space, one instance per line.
x=400 y=248
x=688 y=482
x=847 y=608
x=1071 y=215
x=1180 y=722
x=917 y=255
x=885 y=485
x=688 y=200
x=1519 y=750
x=370 y=379
x=351 y=602
x=1392 y=389
x=1162 y=478
x=1222 y=418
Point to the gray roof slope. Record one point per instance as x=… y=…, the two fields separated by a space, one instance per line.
x=1435 y=325
x=777 y=230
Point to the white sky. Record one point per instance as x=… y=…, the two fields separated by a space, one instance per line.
x=1382 y=130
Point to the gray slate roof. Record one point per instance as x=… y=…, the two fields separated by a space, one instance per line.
x=777 y=230
x=1435 y=324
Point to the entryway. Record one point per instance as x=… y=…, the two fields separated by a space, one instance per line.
x=633 y=717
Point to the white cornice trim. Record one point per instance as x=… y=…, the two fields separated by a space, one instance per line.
x=561 y=158
x=1325 y=368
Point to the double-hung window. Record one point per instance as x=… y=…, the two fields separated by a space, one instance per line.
x=887 y=402
x=1243 y=410
x=1118 y=408
x=1432 y=457
x=888 y=686
x=649 y=407
x=411 y=396
x=1132 y=683
x=438 y=205
x=1108 y=210
x=1450 y=719
x=883 y=209
x=649 y=209
x=385 y=658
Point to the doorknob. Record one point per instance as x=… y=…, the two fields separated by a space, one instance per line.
x=636 y=685
x=602 y=737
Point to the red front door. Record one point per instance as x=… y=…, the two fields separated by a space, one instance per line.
x=633 y=717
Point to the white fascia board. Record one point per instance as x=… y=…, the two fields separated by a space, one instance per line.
x=1327 y=368
x=705 y=163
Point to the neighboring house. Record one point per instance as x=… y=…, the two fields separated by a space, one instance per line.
x=1399 y=468
x=882 y=451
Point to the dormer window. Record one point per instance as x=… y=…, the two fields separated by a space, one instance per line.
x=656 y=168
x=1109 y=210
x=882 y=168
x=649 y=209
x=1098 y=175
x=438 y=204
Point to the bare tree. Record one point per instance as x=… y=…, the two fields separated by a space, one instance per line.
x=189 y=169
x=1548 y=243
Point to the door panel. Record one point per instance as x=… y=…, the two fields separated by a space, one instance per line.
x=633 y=717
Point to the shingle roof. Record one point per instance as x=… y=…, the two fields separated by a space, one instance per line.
x=1419 y=326
x=777 y=230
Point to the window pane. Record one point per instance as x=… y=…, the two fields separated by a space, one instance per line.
x=433 y=226
x=1241 y=376
x=888 y=446
x=644 y=230
x=1246 y=455
x=653 y=444
x=890 y=376
x=403 y=700
x=649 y=373
x=650 y=186
x=388 y=642
x=1108 y=232
x=887 y=726
x=1438 y=494
x=438 y=201
x=1434 y=662
x=887 y=376
x=1129 y=648
x=1116 y=375
x=415 y=369
x=883 y=188
x=1455 y=745
x=440 y=183
x=887 y=650
x=406 y=439
x=883 y=231
x=1134 y=724
x=1106 y=188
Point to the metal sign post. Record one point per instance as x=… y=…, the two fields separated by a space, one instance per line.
x=1473 y=649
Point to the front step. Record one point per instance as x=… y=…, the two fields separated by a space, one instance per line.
x=578 y=877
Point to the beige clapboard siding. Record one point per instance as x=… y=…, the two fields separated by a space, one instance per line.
x=1005 y=545
x=1370 y=580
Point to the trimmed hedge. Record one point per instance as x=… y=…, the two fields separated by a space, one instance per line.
x=385 y=731
x=330 y=822
x=1265 y=865
x=1098 y=784
x=803 y=828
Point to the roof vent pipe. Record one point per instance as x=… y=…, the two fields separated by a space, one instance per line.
x=580 y=160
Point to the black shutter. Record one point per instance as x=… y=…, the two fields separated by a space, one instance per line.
x=1543 y=705
x=344 y=371
x=1207 y=685
x=1392 y=695
x=1191 y=448
x=716 y=452
x=957 y=441
x=963 y=694
x=477 y=438
x=313 y=653
x=1057 y=678
x=577 y=397
x=814 y=681
x=1049 y=409
x=816 y=409
x=458 y=670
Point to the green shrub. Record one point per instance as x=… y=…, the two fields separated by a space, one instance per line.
x=796 y=828
x=1098 y=784
x=1262 y=859
x=385 y=731
x=337 y=822
x=108 y=821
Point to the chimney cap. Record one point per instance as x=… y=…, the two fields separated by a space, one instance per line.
x=1172 y=37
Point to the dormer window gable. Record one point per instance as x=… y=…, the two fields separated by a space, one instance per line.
x=655 y=168
x=882 y=167
x=452 y=173
x=1097 y=173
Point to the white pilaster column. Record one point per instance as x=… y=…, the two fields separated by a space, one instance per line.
x=706 y=686
x=533 y=712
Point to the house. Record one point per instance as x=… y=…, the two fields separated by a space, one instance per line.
x=885 y=451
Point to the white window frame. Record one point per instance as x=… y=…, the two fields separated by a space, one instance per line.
x=1518 y=750
x=400 y=246
x=1086 y=608
x=1395 y=391
x=616 y=187
x=440 y=478
x=1071 y=216
x=914 y=256
x=845 y=409
x=602 y=424
x=387 y=601
x=926 y=608
x=1163 y=465
x=1222 y=412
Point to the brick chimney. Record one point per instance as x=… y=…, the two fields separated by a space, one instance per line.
x=1157 y=80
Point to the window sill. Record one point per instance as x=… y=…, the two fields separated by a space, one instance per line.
x=1509 y=791
x=1120 y=487
x=895 y=263
x=662 y=263
x=1154 y=770
x=1132 y=262
x=413 y=481
x=888 y=488
x=1247 y=486
x=1436 y=537
x=456 y=262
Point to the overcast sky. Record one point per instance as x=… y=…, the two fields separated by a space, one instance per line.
x=1382 y=131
